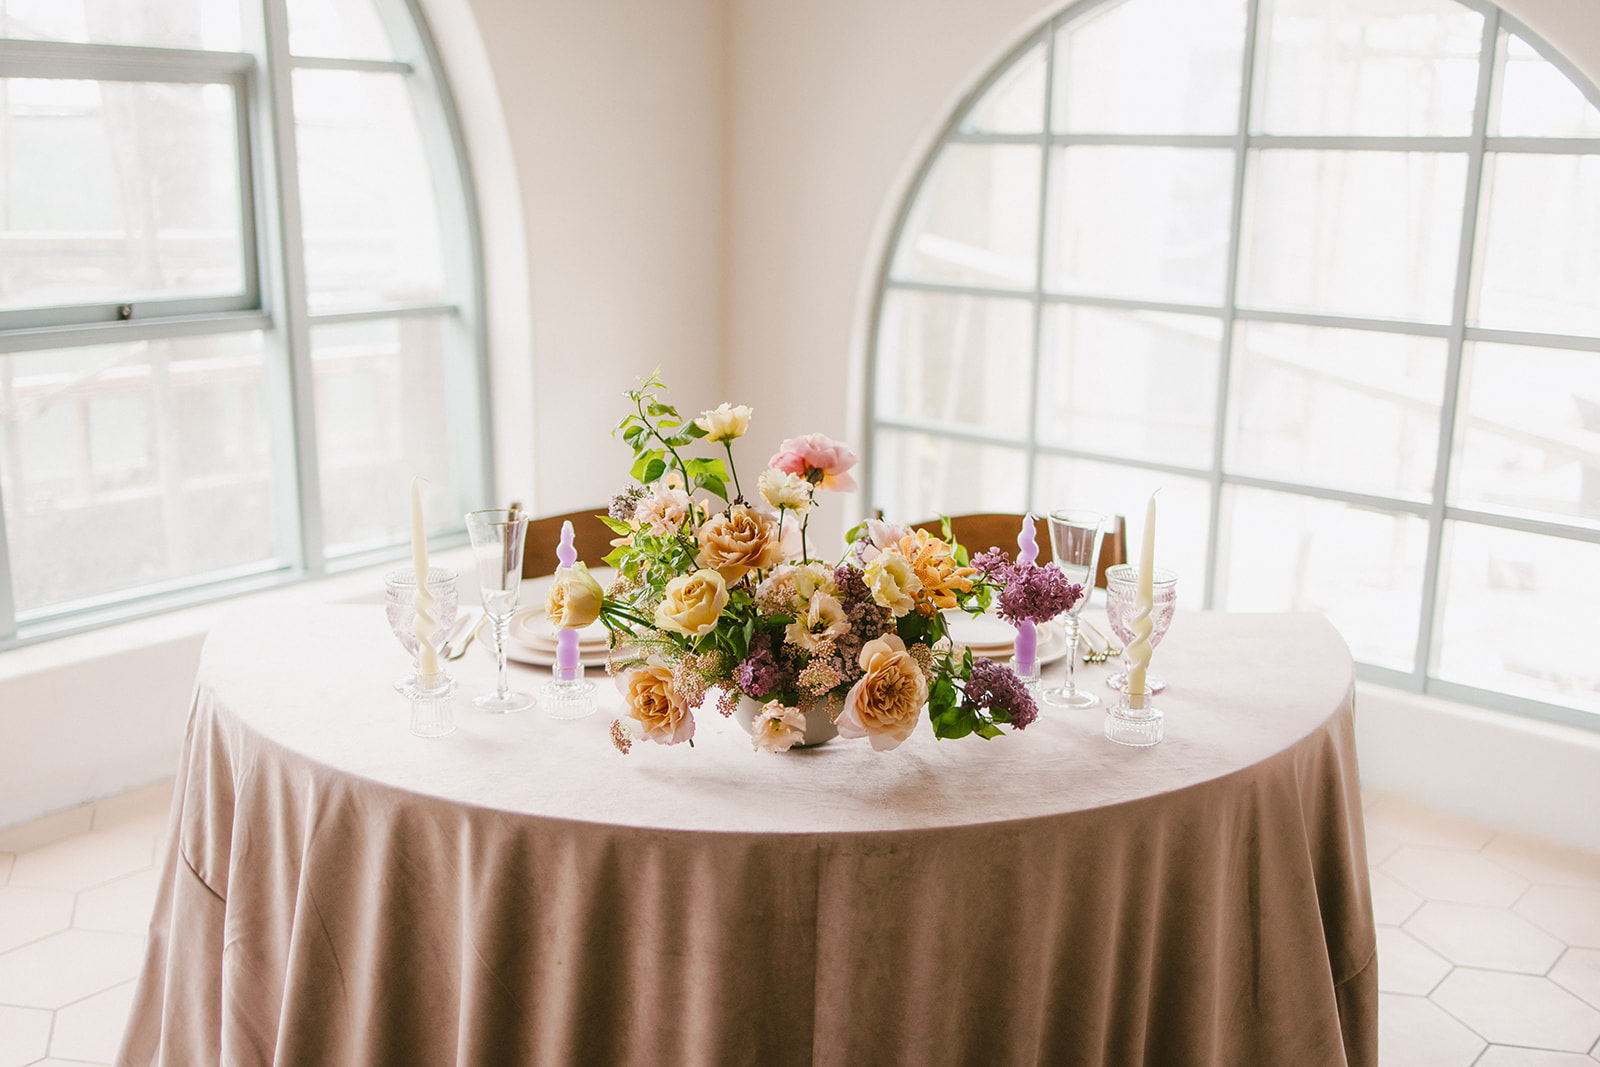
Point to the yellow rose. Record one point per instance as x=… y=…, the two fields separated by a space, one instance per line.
x=647 y=693
x=886 y=703
x=693 y=603
x=725 y=423
x=738 y=541
x=574 y=599
x=823 y=621
x=892 y=582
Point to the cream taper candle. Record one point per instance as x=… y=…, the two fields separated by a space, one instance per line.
x=424 y=625
x=1141 y=625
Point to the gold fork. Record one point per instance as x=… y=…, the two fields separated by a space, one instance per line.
x=1101 y=654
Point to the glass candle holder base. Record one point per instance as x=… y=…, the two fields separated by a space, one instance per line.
x=568 y=696
x=432 y=711
x=1028 y=673
x=1135 y=727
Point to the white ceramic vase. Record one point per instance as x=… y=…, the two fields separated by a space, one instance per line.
x=819 y=720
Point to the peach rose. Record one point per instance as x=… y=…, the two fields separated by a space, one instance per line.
x=738 y=541
x=886 y=703
x=725 y=423
x=693 y=603
x=647 y=694
x=777 y=728
x=818 y=459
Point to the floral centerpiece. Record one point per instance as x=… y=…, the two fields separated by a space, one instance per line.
x=719 y=598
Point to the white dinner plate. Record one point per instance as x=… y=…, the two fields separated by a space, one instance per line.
x=990 y=636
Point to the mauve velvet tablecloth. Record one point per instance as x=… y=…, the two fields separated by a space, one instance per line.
x=339 y=892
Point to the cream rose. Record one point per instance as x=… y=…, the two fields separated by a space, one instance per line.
x=647 y=693
x=739 y=541
x=892 y=581
x=823 y=621
x=784 y=491
x=725 y=423
x=886 y=703
x=777 y=729
x=693 y=603
x=574 y=599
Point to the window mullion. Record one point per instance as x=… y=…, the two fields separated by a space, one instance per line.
x=1035 y=353
x=289 y=382
x=1455 y=343
x=1219 y=426
x=8 y=600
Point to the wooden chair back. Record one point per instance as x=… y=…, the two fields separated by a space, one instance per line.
x=590 y=537
x=981 y=532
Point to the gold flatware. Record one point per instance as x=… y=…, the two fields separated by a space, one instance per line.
x=1106 y=650
x=455 y=646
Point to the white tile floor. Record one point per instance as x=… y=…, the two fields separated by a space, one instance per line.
x=1488 y=943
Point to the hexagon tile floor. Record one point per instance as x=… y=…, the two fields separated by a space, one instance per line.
x=1488 y=943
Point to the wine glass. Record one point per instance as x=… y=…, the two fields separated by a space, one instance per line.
x=1075 y=543
x=497 y=536
x=1122 y=583
x=399 y=596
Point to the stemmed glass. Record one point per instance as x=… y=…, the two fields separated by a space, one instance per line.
x=399 y=594
x=1122 y=581
x=1075 y=542
x=497 y=536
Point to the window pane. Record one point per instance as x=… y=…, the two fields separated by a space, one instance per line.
x=1402 y=68
x=955 y=359
x=349 y=29
x=134 y=465
x=1151 y=66
x=1015 y=103
x=1536 y=99
x=117 y=191
x=922 y=477
x=1373 y=234
x=1363 y=569
x=1514 y=615
x=381 y=393
x=371 y=222
x=212 y=24
x=1183 y=511
x=976 y=218
x=1134 y=384
x=1137 y=222
x=1539 y=244
x=1528 y=433
x=1346 y=409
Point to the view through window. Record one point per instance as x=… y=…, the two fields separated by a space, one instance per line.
x=239 y=299
x=1327 y=273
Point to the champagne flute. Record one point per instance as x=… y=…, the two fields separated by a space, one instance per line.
x=497 y=536
x=1122 y=582
x=1075 y=543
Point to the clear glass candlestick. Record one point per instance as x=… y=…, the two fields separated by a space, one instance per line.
x=432 y=711
x=1075 y=543
x=568 y=696
x=498 y=536
x=1136 y=727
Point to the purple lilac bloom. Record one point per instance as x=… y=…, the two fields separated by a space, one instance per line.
x=867 y=619
x=991 y=561
x=760 y=673
x=998 y=688
x=1036 y=594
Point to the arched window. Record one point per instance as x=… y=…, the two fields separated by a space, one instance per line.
x=239 y=299
x=1327 y=272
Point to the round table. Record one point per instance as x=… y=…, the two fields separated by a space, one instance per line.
x=338 y=891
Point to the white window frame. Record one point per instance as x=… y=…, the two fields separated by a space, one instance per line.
x=1456 y=333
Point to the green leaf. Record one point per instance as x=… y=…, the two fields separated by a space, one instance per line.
x=695 y=431
x=713 y=484
x=855 y=533
x=649 y=465
x=617 y=525
x=614 y=557
x=657 y=408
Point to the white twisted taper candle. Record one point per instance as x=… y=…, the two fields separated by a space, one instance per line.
x=1141 y=625
x=425 y=625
